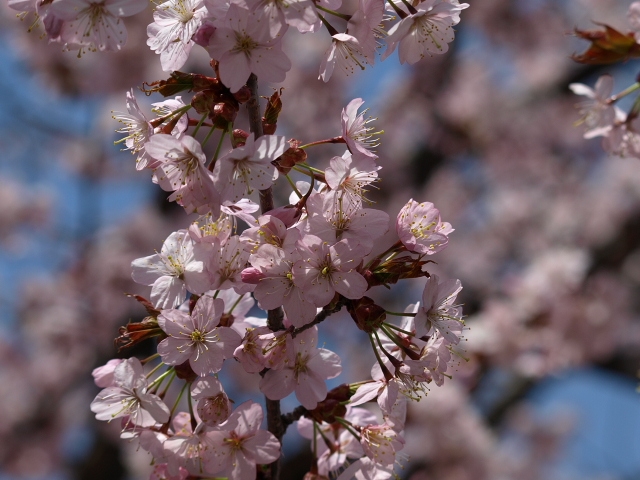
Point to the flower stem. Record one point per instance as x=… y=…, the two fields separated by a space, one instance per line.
x=624 y=93
x=321 y=142
x=337 y=14
x=293 y=185
x=332 y=31
x=204 y=117
x=398 y=314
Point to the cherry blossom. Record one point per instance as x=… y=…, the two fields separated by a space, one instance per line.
x=329 y=269
x=598 y=114
x=346 y=53
x=332 y=219
x=182 y=171
x=175 y=22
x=172 y=272
x=214 y=406
x=305 y=372
x=439 y=311
x=95 y=25
x=248 y=167
x=138 y=131
x=240 y=444
x=272 y=274
x=357 y=134
x=427 y=31
x=300 y=14
x=420 y=229
x=197 y=337
x=243 y=44
x=128 y=397
x=380 y=443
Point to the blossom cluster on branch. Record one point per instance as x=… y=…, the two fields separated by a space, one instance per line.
x=300 y=262
x=620 y=130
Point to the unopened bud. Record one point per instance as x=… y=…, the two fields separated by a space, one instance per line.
x=243 y=95
x=268 y=128
x=239 y=137
x=285 y=162
x=185 y=372
x=333 y=406
x=226 y=111
x=204 y=101
x=204 y=33
x=367 y=315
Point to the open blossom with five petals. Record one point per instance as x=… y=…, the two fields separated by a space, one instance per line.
x=333 y=217
x=226 y=263
x=380 y=443
x=172 y=272
x=128 y=397
x=244 y=43
x=439 y=311
x=327 y=269
x=240 y=444
x=248 y=167
x=427 y=31
x=351 y=175
x=197 y=337
x=95 y=25
x=271 y=271
x=420 y=228
x=174 y=23
x=188 y=448
x=305 y=371
x=182 y=171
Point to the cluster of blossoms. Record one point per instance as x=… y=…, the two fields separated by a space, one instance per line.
x=301 y=262
x=620 y=130
x=245 y=36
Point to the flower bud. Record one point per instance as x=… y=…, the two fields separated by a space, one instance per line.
x=203 y=34
x=333 y=406
x=243 y=95
x=185 y=372
x=239 y=137
x=367 y=315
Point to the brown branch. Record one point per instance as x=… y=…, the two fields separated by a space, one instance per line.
x=275 y=317
x=322 y=316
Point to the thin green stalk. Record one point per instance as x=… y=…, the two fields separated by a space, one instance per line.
x=155 y=369
x=332 y=30
x=397 y=314
x=337 y=14
x=166 y=389
x=195 y=132
x=624 y=93
x=236 y=304
x=293 y=185
x=206 y=139
x=175 y=405
x=306 y=165
x=390 y=325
